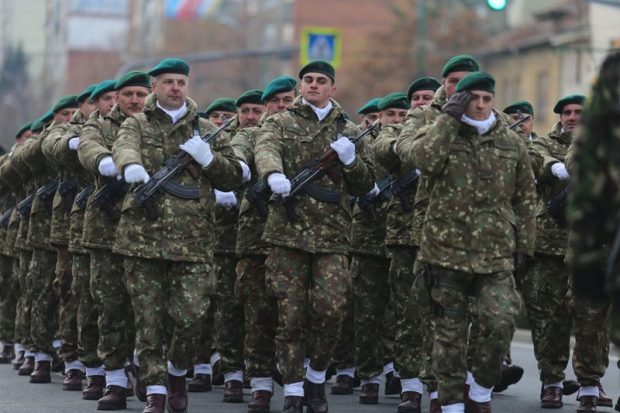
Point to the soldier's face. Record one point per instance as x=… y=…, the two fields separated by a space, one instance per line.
x=87 y=108
x=571 y=117
x=450 y=81
x=317 y=88
x=525 y=127
x=64 y=115
x=393 y=115
x=421 y=98
x=249 y=114
x=131 y=99
x=280 y=102
x=370 y=118
x=170 y=89
x=480 y=106
x=105 y=102
x=219 y=117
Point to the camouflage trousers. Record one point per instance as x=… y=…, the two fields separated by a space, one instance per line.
x=344 y=352
x=116 y=320
x=310 y=290
x=422 y=365
x=528 y=286
x=260 y=316
x=86 y=312
x=206 y=335
x=8 y=299
x=591 y=352
x=166 y=294
x=553 y=315
x=67 y=306
x=44 y=316
x=229 y=314
x=24 y=301
x=497 y=304
x=371 y=294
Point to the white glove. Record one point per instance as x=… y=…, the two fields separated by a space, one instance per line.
x=559 y=170
x=199 y=150
x=279 y=184
x=106 y=165
x=136 y=173
x=73 y=143
x=245 y=169
x=345 y=150
x=226 y=199
x=373 y=192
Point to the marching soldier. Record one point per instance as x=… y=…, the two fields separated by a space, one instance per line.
x=522 y=108
x=422 y=91
x=168 y=251
x=307 y=266
x=369 y=112
x=220 y=110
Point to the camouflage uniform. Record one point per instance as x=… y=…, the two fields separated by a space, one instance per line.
x=548 y=276
x=169 y=260
x=259 y=309
x=107 y=287
x=480 y=214
x=307 y=267
x=9 y=291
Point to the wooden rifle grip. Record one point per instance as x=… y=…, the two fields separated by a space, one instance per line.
x=192 y=169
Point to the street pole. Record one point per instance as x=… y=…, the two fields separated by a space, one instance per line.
x=421 y=20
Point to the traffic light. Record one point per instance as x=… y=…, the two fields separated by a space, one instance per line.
x=497 y=5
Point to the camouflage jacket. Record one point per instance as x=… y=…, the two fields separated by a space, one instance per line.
x=226 y=219
x=251 y=224
x=481 y=207
x=367 y=234
x=97 y=137
x=287 y=142
x=551 y=239
x=184 y=230
x=16 y=187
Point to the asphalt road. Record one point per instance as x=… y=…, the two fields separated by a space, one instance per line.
x=18 y=396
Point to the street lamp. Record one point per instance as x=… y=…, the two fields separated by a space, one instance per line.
x=497 y=5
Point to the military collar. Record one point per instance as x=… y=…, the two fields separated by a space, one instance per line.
x=116 y=115
x=307 y=112
x=78 y=118
x=440 y=97
x=557 y=134
x=151 y=110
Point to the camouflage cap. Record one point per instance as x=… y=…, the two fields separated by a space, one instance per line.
x=103 y=87
x=278 y=85
x=372 y=106
x=423 y=83
x=477 y=81
x=170 y=65
x=133 y=78
x=221 y=104
x=319 y=66
x=460 y=63
x=86 y=93
x=567 y=100
x=69 y=101
x=396 y=100
x=254 y=96
x=522 y=106
x=22 y=129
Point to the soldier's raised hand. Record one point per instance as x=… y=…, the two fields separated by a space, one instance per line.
x=106 y=166
x=136 y=173
x=279 y=184
x=199 y=150
x=345 y=150
x=457 y=104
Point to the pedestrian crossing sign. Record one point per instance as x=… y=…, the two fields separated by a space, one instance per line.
x=320 y=43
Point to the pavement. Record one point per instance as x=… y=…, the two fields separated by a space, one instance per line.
x=19 y=396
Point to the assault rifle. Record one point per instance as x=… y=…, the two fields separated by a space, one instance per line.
x=258 y=195
x=314 y=170
x=82 y=197
x=162 y=178
x=67 y=190
x=47 y=191
x=556 y=207
x=25 y=205
x=402 y=185
x=6 y=217
x=109 y=194
x=522 y=119
x=368 y=202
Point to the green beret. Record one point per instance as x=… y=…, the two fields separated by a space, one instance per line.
x=372 y=106
x=519 y=106
x=133 y=78
x=69 y=101
x=460 y=63
x=22 y=129
x=40 y=123
x=221 y=104
x=319 y=66
x=86 y=93
x=103 y=87
x=278 y=85
x=477 y=81
x=396 y=100
x=170 y=65
x=254 y=96
x=423 y=83
x=567 y=100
